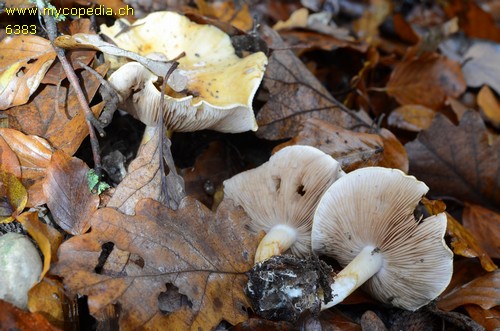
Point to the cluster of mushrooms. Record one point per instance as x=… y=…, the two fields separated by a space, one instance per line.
x=364 y=220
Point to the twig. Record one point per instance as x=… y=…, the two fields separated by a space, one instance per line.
x=92 y=122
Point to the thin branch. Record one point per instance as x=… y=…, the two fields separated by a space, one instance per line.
x=51 y=28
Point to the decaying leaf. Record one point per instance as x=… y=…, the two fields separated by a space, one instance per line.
x=14 y=318
x=295 y=96
x=411 y=117
x=236 y=13
x=143 y=179
x=68 y=195
x=48 y=298
x=24 y=59
x=47 y=238
x=480 y=65
x=426 y=80
x=56 y=115
x=8 y=159
x=13 y=197
x=352 y=149
x=463 y=243
x=192 y=254
x=484 y=224
x=458 y=161
x=34 y=155
x=483 y=291
x=489 y=318
x=490 y=106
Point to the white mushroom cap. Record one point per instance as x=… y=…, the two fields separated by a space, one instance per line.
x=370 y=212
x=283 y=193
x=220 y=85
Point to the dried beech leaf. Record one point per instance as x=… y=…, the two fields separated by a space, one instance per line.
x=48 y=298
x=68 y=195
x=208 y=172
x=190 y=253
x=8 y=159
x=13 y=197
x=484 y=224
x=14 y=318
x=47 y=238
x=56 y=115
x=489 y=318
x=474 y=21
x=483 y=291
x=427 y=80
x=411 y=117
x=24 y=60
x=143 y=179
x=295 y=96
x=463 y=243
x=458 y=161
x=480 y=65
x=34 y=155
x=56 y=72
x=489 y=105
x=352 y=149
x=227 y=11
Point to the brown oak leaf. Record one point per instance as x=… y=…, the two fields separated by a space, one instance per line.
x=185 y=271
x=458 y=161
x=295 y=96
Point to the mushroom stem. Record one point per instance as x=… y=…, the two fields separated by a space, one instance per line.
x=366 y=264
x=275 y=242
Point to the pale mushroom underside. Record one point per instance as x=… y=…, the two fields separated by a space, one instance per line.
x=285 y=190
x=374 y=206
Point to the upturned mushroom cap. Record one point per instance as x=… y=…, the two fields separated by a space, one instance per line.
x=220 y=86
x=373 y=207
x=285 y=191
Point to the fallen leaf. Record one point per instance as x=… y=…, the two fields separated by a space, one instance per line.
x=483 y=291
x=13 y=197
x=484 y=224
x=394 y=154
x=367 y=25
x=352 y=149
x=210 y=169
x=298 y=19
x=190 y=253
x=489 y=318
x=426 y=80
x=474 y=21
x=56 y=72
x=34 y=155
x=143 y=179
x=14 y=318
x=458 y=161
x=8 y=159
x=47 y=238
x=489 y=105
x=24 y=60
x=295 y=96
x=411 y=118
x=463 y=243
x=236 y=13
x=68 y=194
x=47 y=298
x=56 y=115
x=480 y=67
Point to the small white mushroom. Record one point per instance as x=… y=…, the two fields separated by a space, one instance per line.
x=20 y=268
x=365 y=220
x=280 y=197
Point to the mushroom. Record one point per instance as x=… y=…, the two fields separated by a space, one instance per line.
x=220 y=85
x=280 y=197
x=366 y=221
